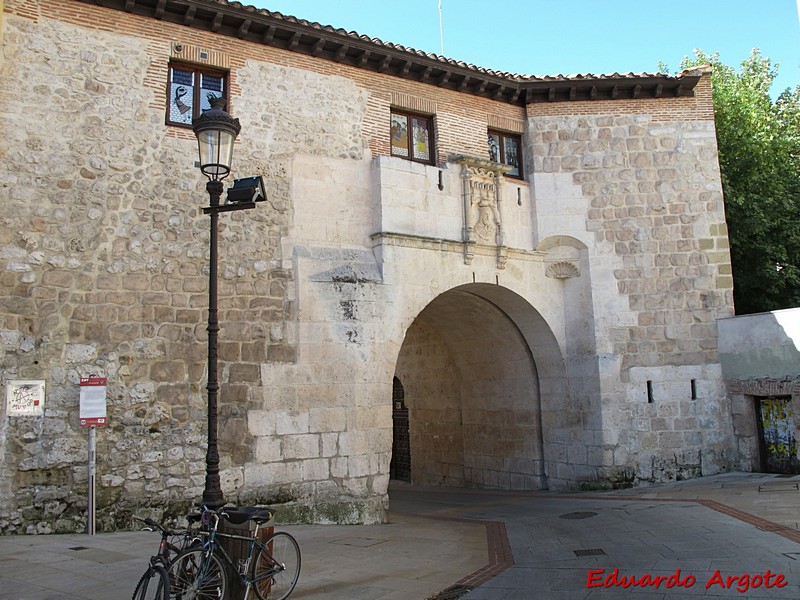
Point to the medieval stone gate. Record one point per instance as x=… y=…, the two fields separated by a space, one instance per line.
x=552 y=322
x=472 y=391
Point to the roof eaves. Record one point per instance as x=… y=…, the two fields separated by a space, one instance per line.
x=275 y=29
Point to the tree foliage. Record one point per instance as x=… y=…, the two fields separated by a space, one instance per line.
x=759 y=155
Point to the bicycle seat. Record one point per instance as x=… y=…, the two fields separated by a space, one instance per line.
x=248 y=513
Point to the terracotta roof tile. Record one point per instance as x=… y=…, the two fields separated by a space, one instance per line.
x=437 y=57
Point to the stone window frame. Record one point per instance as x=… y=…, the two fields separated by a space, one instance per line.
x=197 y=71
x=431 y=158
x=501 y=159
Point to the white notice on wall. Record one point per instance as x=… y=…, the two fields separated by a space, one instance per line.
x=25 y=398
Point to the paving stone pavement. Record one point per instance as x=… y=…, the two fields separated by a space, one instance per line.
x=409 y=557
x=568 y=548
x=490 y=545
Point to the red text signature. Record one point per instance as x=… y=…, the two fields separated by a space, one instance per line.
x=741 y=583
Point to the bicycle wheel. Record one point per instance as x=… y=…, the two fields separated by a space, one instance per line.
x=277 y=567
x=153 y=584
x=196 y=575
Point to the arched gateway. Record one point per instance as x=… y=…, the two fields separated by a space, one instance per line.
x=471 y=387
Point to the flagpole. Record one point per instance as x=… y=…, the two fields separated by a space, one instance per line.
x=441 y=29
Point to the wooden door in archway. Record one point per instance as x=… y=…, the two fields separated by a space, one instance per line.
x=400 y=465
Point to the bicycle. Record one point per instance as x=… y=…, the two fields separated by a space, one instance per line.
x=154 y=584
x=201 y=572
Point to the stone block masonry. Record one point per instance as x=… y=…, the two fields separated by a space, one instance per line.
x=104 y=251
x=645 y=192
x=654 y=208
x=529 y=358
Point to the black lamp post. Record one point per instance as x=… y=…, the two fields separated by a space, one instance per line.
x=216 y=132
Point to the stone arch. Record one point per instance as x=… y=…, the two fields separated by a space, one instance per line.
x=485 y=385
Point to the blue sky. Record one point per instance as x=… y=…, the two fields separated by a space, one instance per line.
x=552 y=37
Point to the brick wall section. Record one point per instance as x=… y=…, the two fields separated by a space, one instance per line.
x=461 y=122
x=687 y=108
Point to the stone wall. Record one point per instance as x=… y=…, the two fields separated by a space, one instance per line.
x=433 y=397
x=474 y=415
x=643 y=193
x=103 y=250
x=604 y=271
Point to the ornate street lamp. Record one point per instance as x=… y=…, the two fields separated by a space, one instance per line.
x=216 y=132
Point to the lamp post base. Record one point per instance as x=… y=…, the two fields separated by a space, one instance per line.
x=212 y=499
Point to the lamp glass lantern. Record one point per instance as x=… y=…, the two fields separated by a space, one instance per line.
x=216 y=132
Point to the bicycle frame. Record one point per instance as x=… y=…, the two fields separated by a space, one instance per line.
x=165 y=547
x=270 y=567
x=158 y=571
x=242 y=570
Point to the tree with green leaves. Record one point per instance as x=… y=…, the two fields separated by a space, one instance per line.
x=759 y=155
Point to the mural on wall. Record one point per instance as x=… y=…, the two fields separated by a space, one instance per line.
x=776 y=427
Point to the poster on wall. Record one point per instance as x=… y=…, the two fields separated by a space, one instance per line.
x=25 y=398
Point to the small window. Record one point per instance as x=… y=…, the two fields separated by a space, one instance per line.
x=412 y=137
x=506 y=149
x=189 y=91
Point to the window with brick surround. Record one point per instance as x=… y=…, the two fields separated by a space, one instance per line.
x=506 y=148
x=412 y=136
x=189 y=90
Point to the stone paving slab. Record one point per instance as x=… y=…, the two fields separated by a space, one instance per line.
x=409 y=557
x=775 y=498
x=711 y=529
x=499 y=545
x=573 y=558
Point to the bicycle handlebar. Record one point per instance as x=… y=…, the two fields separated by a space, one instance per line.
x=216 y=515
x=153 y=526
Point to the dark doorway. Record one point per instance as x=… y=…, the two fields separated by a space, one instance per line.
x=776 y=435
x=400 y=465
x=472 y=390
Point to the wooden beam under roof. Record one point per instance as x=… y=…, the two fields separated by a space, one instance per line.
x=326 y=43
x=269 y=33
x=188 y=17
x=294 y=41
x=243 y=28
x=316 y=50
x=384 y=64
x=217 y=23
